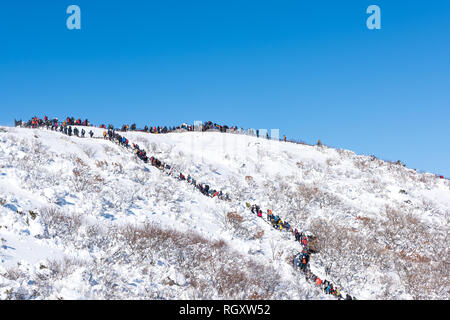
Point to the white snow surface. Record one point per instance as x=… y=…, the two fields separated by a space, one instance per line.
x=315 y=188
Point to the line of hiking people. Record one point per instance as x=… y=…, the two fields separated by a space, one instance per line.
x=115 y=137
x=301 y=260
x=149 y=129
x=207 y=125
x=65 y=127
x=36 y=122
x=69 y=131
x=142 y=155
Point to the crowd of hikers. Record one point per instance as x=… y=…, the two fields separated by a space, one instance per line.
x=206 y=126
x=204 y=188
x=142 y=155
x=300 y=260
x=115 y=137
x=53 y=124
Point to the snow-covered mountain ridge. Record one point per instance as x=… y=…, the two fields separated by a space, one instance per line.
x=86 y=219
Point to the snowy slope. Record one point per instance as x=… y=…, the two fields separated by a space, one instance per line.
x=93 y=202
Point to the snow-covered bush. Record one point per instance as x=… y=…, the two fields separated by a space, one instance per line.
x=59 y=224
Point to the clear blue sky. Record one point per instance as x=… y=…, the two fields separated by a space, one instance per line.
x=310 y=68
